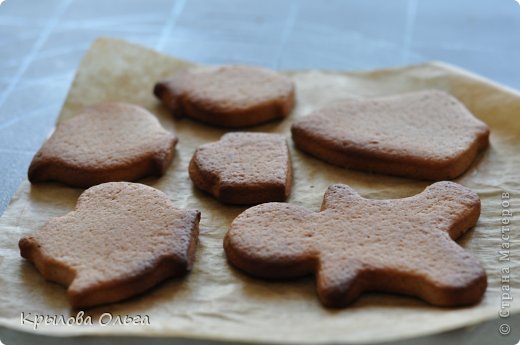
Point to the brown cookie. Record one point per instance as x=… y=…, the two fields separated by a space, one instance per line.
x=244 y=168
x=354 y=245
x=426 y=135
x=122 y=239
x=103 y=143
x=230 y=96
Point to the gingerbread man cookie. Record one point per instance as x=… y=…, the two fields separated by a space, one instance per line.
x=244 y=168
x=355 y=244
x=426 y=135
x=104 y=143
x=122 y=239
x=230 y=96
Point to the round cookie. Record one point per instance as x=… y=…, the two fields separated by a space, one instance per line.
x=230 y=96
x=355 y=244
x=103 y=143
x=426 y=135
x=244 y=168
x=122 y=239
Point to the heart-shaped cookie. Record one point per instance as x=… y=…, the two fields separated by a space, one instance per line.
x=244 y=168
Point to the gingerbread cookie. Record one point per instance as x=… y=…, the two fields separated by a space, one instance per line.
x=106 y=142
x=230 y=96
x=122 y=239
x=354 y=245
x=426 y=135
x=244 y=168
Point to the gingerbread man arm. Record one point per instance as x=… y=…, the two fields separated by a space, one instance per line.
x=449 y=207
x=339 y=196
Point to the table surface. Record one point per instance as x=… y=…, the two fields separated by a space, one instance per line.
x=42 y=43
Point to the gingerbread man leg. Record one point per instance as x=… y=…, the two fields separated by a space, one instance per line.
x=337 y=280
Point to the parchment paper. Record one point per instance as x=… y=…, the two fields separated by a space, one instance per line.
x=217 y=302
